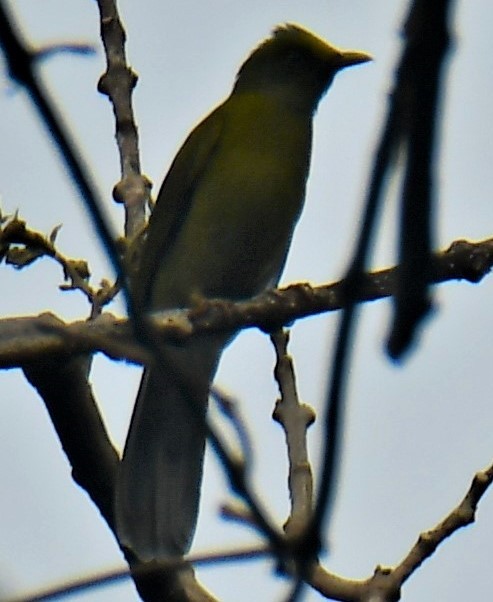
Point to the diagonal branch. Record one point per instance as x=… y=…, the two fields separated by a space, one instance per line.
x=62 y=382
x=461 y=516
x=393 y=134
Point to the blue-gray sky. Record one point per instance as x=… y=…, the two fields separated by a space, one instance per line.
x=415 y=434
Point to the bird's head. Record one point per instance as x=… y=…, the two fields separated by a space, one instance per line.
x=295 y=64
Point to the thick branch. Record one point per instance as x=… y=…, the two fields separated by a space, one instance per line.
x=27 y=338
x=416 y=101
x=62 y=382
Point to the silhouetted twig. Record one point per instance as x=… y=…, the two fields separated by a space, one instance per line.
x=21 y=65
x=392 y=137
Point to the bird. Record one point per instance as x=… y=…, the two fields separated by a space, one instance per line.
x=221 y=228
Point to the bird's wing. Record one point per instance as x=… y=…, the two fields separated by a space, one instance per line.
x=175 y=197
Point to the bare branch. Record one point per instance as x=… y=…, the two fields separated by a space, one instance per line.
x=386 y=582
x=416 y=102
x=50 y=50
x=294 y=418
x=459 y=517
x=63 y=384
x=83 y=584
x=118 y=83
x=229 y=407
x=26 y=338
x=385 y=159
x=21 y=62
x=21 y=246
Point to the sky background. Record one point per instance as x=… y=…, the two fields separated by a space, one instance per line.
x=415 y=433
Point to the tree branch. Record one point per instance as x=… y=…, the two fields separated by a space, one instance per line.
x=386 y=582
x=416 y=98
x=294 y=418
x=118 y=83
x=21 y=62
x=24 y=339
x=393 y=137
x=62 y=382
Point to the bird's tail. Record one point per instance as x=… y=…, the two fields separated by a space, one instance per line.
x=158 y=486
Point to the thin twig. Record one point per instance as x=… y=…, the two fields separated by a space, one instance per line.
x=83 y=584
x=21 y=62
x=295 y=418
x=354 y=282
x=20 y=246
x=118 y=83
x=229 y=407
x=461 y=516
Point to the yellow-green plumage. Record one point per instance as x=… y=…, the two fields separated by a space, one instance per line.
x=244 y=209
x=221 y=227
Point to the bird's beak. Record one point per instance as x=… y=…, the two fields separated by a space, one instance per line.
x=353 y=57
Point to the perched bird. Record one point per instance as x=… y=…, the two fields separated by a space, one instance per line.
x=221 y=227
